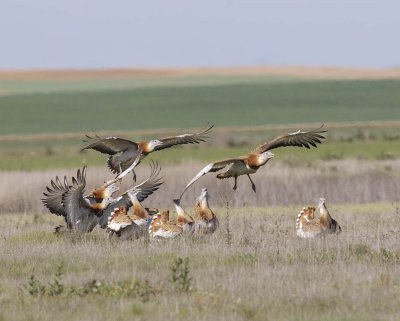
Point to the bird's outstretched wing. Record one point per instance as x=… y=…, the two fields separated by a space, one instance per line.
x=212 y=167
x=53 y=197
x=78 y=211
x=108 y=145
x=299 y=138
x=150 y=185
x=195 y=138
x=141 y=191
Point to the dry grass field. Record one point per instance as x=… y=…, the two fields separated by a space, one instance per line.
x=253 y=268
x=278 y=183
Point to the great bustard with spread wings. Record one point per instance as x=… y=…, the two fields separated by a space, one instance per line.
x=250 y=163
x=81 y=212
x=123 y=152
x=133 y=197
x=307 y=226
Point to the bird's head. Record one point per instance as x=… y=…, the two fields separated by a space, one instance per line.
x=154 y=143
x=204 y=195
x=97 y=194
x=322 y=206
x=122 y=210
x=265 y=157
x=269 y=155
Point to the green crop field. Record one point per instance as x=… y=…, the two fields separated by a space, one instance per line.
x=126 y=107
x=248 y=104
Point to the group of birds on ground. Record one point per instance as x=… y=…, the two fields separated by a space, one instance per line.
x=100 y=207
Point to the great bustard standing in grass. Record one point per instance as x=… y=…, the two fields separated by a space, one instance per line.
x=308 y=226
x=250 y=163
x=122 y=224
x=162 y=227
x=205 y=220
x=123 y=152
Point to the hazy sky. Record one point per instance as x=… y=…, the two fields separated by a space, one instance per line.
x=152 y=33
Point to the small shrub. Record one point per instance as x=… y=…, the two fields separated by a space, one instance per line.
x=49 y=151
x=384 y=155
x=180 y=274
x=35 y=288
x=227 y=227
x=57 y=288
x=359 y=250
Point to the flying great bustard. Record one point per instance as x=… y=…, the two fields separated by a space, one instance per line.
x=250 y=163
x=81 y=212
x=123 y=152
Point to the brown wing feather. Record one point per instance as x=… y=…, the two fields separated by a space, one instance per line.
x=109 y=145
x=299 y=138
x=195 y=138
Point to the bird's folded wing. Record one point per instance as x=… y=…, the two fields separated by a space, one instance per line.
x=195 y=138
x=109 y=145
x=299 y=138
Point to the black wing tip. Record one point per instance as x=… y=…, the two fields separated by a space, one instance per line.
x=317 y=130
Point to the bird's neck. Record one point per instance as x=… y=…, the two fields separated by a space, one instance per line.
x=325 y=218
x=183 y=218
x=147 y=147
x=263 y=158
x=139 y=210
x=204 y=203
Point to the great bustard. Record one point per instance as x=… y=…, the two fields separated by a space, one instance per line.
x=123 y=225
x=81 y=212
x=205 y=220
x=133 y=197
x=250 y=163
x=123 y=152
x=308 y=226
x=162 y=227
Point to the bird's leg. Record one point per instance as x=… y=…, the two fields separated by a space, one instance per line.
x=235 y=187
x=253 y=186
x=134 y=176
